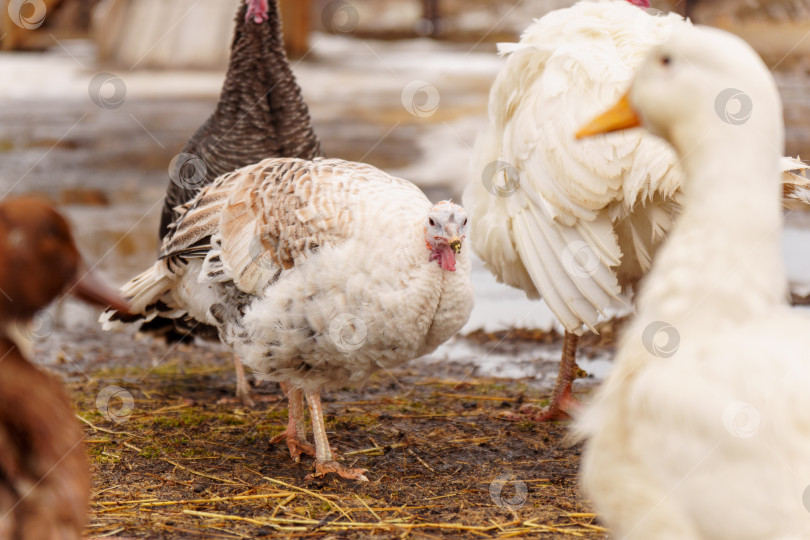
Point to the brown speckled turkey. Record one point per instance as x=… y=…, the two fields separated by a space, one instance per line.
x=317 y=273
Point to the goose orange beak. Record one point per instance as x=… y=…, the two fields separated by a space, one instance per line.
x=620 y=116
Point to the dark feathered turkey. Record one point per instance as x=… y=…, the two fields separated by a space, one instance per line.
x=260 y=113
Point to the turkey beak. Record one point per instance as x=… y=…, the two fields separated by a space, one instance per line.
x=455 y=244
x=620 y=116
x=91 y=289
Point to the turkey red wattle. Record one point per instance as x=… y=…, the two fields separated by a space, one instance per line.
x=640 y=3
x=445 y=256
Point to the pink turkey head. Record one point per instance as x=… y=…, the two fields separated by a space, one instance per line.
x=257 y=10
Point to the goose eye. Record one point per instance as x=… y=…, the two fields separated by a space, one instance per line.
x=666 y=60
x=465 y=222
x=432 y=223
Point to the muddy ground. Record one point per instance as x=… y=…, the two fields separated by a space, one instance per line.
x=174 y=455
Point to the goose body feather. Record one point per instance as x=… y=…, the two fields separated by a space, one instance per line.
x=701 y=431
x=578 y=222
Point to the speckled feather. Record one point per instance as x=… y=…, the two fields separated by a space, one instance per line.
x=260 y=112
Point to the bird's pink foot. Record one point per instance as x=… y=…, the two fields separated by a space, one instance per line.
x=297 y=445
x=242 y=384
x=563 y=403
x=536 y=414
x=323 y=468
x=560 y=408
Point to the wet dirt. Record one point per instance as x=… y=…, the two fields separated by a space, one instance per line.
x=174 y=455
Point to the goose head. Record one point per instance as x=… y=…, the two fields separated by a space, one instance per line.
x=445 y=231
x=702 y=90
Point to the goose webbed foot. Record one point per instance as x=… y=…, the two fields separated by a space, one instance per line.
x=559 y=408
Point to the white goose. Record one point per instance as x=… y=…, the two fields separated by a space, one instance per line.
x=708 y=436
x=318 y=273
x=575 y=224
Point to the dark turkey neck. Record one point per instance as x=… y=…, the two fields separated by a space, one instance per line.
x=261 y=112
x=260 y=107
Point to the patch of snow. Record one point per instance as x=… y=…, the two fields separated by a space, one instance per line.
x=68 y=77
x=796 y=251
x=538 y=363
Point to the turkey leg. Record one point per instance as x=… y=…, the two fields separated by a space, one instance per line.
x=296 y=433
x=324 y=461
x=242 y=386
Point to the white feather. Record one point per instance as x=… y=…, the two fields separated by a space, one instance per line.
x=614 y=196
x=702 y=430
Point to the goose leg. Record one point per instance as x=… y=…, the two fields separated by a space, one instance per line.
x=242 y=386
x=296 y=433
x=562 y=397
x=324 y=461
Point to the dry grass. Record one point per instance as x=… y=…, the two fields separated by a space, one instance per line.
x=188 y=464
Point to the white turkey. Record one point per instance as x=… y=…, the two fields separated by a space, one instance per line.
x=317 y=273
x=706 y=437
x=576 y=223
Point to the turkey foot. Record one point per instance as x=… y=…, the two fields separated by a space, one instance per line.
x=242 y=385
x=324 y=457
x=296 y=433
x=296 y=444
x=323 y=468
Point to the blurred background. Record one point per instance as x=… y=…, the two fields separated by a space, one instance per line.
x=98 y=96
